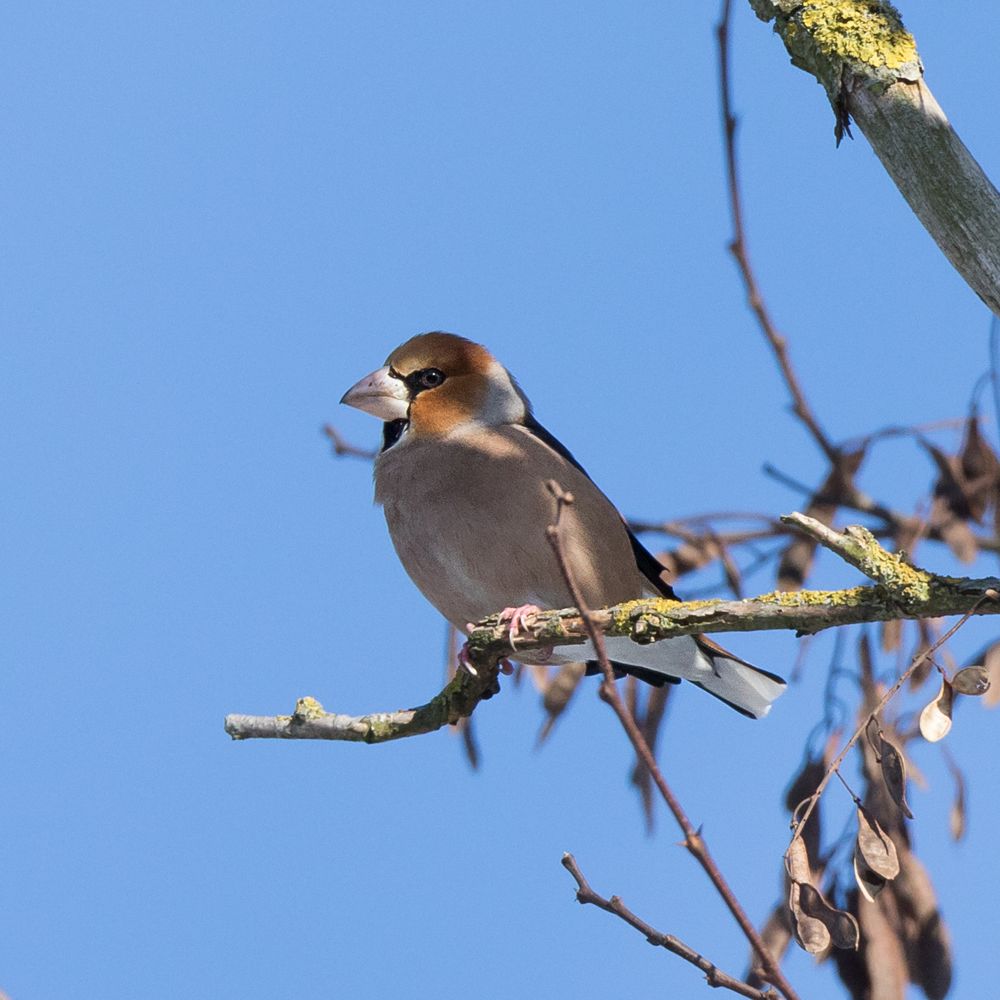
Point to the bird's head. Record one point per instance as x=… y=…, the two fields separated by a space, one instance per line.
x=439 y=383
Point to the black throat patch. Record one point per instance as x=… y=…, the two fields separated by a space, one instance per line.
x=392 y=431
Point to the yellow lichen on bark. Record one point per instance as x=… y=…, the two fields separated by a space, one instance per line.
x=871 y=33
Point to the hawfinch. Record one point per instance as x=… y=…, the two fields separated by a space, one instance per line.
x=461 y=477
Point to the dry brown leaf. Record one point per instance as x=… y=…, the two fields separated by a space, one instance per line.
x=541 y=676
x=469 y=742
x=870 y=883
x=935 y=719
x=810 y=932
x=971 y=681
x=957 y=815
x=885 y=962
x=797 y=861
x=980 y=468
x=865 y=655
x=954 y=505
x=893 y=772
x=851 y=964
x=875 y=846
x=954 y=531
x=990 y=659
x=797 y=559
x=562 y=685
x=841 y=925
x=689 y=556
x=649 y=720
x=925 y=935
x=892 y=635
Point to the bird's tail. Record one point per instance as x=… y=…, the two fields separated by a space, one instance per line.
x=701 y=661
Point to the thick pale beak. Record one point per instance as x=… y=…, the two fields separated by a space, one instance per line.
x=380 y=394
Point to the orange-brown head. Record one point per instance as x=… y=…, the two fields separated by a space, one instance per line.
x=439 y=383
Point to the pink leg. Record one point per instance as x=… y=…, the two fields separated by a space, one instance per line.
x=515 y=617
x=465 y=662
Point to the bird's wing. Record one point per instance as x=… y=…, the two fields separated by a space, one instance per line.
x=647 y=564
x=698 y=659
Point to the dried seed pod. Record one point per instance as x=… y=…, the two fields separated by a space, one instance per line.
x=935 y=719
x=842 y=927
x=957 y=813
x=892 y=635
x=811 y=930
x=811 y=933
x=797 y=861
x=991 y=661
x=972 y=681
x=557 y=690
x=870 y=883
x=893 y=771
x=926 y=937
x=875 y=846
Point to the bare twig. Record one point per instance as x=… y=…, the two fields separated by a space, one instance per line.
x=693 y=840
x=341 y=447
x=713 y=975
x=738 y=248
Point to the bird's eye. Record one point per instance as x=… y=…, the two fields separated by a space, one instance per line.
x=430 y=378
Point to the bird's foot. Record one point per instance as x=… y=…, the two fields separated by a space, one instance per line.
x=515 y=619
x=465 y=663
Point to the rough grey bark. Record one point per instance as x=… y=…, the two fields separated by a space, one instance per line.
x=868 y=64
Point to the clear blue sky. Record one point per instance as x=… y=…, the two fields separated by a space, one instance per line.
x=216 y=217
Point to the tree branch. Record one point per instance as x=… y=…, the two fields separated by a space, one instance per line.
x=868 y=63
x=693 y=841
x=738 y=248
x=900 y=591
x=713 y=975
x=310 y=721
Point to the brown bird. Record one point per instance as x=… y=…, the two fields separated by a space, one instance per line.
x=461 y=477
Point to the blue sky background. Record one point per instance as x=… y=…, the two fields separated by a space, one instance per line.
x=216 y=217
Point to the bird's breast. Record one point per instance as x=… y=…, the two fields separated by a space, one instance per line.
x=468 y=518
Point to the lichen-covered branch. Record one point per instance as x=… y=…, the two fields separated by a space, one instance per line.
x=868 y=64
x=310 y=721
x=900 y=591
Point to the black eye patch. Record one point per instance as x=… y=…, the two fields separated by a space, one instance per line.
x=425 y=378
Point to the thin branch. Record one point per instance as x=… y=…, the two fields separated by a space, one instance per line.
x=341 y=447
x=902 y=592
x=713 y=975
x=310 y=721
x=738 y=248
x=693 y=840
